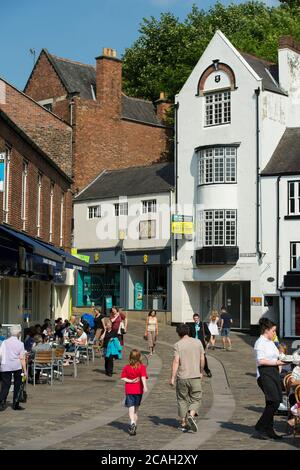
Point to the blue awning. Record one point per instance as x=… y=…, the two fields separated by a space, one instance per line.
x=42 y=260
x=47 y=256
x=71 y=261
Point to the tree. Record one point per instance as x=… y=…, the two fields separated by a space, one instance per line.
x=167 y=50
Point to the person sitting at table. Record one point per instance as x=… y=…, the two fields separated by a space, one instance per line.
x=40 y=344
x=80 y=340
x=288 y=367
x=58 y=329
x=29 y=340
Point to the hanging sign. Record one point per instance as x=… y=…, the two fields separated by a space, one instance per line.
x=2 y=171
x=182 y=224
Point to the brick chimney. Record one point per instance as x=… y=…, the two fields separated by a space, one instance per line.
x=162 y=106
x=289 y=76
x=109 y=82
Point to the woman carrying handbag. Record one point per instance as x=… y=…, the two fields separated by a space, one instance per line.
x=151 y=331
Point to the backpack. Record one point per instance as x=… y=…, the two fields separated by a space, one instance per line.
x=88 y=318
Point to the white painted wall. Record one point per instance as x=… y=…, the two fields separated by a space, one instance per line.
x=276 y=112
x=103 y=232
x=289 y=78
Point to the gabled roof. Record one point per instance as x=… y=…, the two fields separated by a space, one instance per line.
x=286 y=157
x=81 y=78
x=75 y=76
x=266 y=70
x=153 y=179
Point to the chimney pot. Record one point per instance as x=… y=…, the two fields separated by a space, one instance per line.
x=108 y=52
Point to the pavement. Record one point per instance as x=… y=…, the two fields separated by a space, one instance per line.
x=88 y=412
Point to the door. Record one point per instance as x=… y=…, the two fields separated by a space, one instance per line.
x=233 y=302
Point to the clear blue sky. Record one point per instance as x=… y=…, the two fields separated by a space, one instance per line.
x=75 y=29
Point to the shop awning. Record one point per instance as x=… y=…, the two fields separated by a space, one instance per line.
x=43 y=253
x=71 y=261
x=47 y=255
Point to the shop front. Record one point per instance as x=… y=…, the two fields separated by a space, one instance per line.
x=33 y=275
x=133 y=280
x=100 y=286
x=148 y=279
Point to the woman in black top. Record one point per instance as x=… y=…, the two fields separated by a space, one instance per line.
x=108 y=334
x=99 y=326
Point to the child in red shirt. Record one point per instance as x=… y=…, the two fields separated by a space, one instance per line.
x=134 y=375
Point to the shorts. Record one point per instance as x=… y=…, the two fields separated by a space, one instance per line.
x=225 y=332
x=133 y=400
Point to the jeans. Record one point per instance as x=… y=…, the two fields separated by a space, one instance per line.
x=6 y=383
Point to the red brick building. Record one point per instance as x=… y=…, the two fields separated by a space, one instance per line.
x=35 y=209
x=110 y=129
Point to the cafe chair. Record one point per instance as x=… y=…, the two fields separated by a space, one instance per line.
x=58 y=362
x=43 y=362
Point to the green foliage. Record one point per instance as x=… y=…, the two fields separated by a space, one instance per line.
x=167 y=50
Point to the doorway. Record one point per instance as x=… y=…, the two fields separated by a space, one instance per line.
x=235 y=296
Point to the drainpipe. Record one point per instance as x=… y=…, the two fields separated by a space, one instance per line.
x=277 y=252
x=176 y=170
x=277 y=230
x=258 y=251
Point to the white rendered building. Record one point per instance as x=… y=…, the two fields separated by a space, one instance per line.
x=232 y=113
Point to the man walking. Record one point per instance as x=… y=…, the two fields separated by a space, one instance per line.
x=200 y=330
x=187 y=367
x=226 y=322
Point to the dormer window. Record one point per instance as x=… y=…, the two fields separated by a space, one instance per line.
x=217 y=108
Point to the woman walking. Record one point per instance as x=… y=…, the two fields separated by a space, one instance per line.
x=13 y=362
x=268 y=378
x=213 y=327
x=151 y=331
x=134 y=375
x=108 y=335
x=119 y=323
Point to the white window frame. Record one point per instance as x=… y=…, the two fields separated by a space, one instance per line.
x=149 y=206
x=39 y=204
x=24 y=195
x=51 y=212
x=94 y=212
x=148 y=231
x=61 y=230
x=121 y=209
x=6 y=194
x=217 y=108
x=295 y=256
x=294 y=197
x=217 y=165
x=217 y=227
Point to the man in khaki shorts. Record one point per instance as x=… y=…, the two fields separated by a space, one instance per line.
x=188 y=364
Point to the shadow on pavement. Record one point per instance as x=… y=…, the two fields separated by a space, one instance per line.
x=250 y=374
x=118 y=425
x=238 y=427
x=257 y=409
x=171 y=422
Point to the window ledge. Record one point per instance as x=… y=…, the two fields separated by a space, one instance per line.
x=290 y=217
